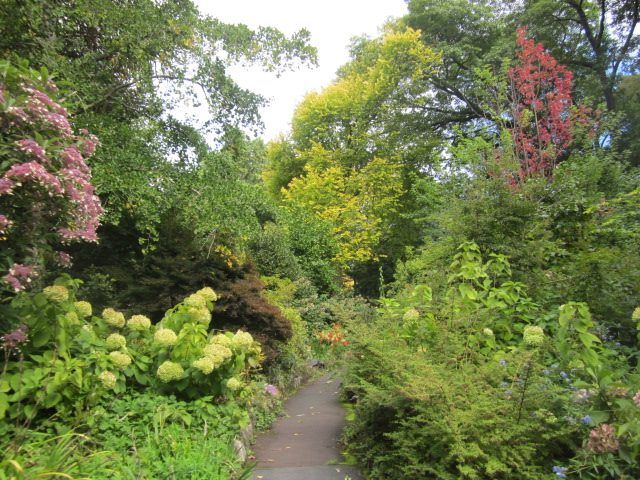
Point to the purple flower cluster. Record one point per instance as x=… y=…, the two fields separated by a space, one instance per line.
x=270 y=389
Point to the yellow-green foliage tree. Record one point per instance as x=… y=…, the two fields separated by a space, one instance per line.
x=360 y=203
x=353 y=154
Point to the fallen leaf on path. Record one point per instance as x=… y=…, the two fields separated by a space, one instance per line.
x=269 y=460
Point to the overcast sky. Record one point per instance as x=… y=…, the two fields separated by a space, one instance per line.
x=332 y=24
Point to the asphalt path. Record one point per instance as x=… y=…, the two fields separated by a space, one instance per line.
x=304 y=445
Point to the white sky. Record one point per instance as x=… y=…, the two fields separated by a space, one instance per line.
x=332 y=24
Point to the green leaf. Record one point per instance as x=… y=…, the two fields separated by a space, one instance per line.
x=41 y=337
x=588 y=339
x=589 y=356
x=467 y=291
x=599 y=417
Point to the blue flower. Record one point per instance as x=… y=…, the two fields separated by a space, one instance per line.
x=508 y=393
x=546 y=371
x=586 y=419
x=570 y=419
x=503 y=362
x=504 y=384
x=558 y=471
x=563 y=375
x=555 y=365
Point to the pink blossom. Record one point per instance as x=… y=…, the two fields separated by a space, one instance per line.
x=602 y=439
x=20 y=276
x=5 y=223
x=63 y=259
x=33 y=171
x=18 y=112
x=33 y=149
x=58 y=121
x=12 y=340
x=6 y=186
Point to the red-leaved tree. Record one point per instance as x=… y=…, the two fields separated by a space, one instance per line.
x=543 y=118
x=46 y=196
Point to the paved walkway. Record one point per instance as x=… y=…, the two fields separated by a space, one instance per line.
x=304 y=444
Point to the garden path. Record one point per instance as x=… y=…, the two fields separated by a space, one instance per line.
x=304 y=444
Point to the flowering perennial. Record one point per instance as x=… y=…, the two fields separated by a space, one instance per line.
x=234 y=384
x=72 y=318
x=165 y=337
x=201 y=315
x=204 y=364
x=20 y=276
x=222 y=339
x=115 y=341
x=57 y=293
x=83 y=308
x=13 y=340
x=108 y=380
x=138 y=323
x=120 y=360
x=602 y=439
x=196 y=300
x=208 y=294
x=334 y=335
x=170 y=371
x=243 y=340
x=113 y=318
x=533 y=336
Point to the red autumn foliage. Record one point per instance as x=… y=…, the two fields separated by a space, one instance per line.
x=544 y=118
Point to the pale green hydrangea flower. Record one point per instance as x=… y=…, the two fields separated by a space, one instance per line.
x=72 y=318
x=196 y=301
x=120 y=360
x=216 y=356
x=170 y=371
x=115 y=341
x=113 y=318
x=635 y=316
x=217 y=350
x=165 y=337
x=57 y=293
x=488 y=332
x=201 y=315
x=208 y=294
x=84 y=308
x=243 y=340
x=533 y=336
x=108 y=380
x=222 y=339
x=138 y=323
x=234 y=384
x=411 y=315
x=204 y=364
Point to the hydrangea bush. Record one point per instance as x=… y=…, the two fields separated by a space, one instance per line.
x=64 y=358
